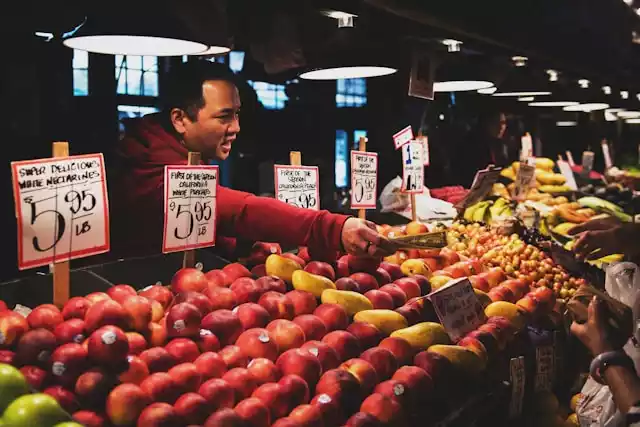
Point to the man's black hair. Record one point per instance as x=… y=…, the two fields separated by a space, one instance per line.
x=184 y=84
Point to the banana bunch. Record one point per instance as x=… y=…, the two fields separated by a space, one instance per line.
x=547 y=188
x=500 y=190
x=549 y=178
x=604 y=206
x=487 y=210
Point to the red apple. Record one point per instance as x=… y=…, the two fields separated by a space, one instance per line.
x=489 y=342
x=362 y=264
x=342 y=267
x=363 y=419
x=333 y=315
x=344 y=343
x=192 y=408
x=246 y=290
x=326 y=355
x=302 y=363
x=186 y=376
x=380 y=300
x=347 y=284
x=234 y=357
x=188 y=280
x=65 y=398
x=125 y=404
x=120 y=293
x=183 y=350
x=95 y=297
x=263 y=371
x=37 y=378
x=296 y=389
x=259 y=270
x=394 y=390
x=67 y=363
x=393 y=269
x=451 y=257
x=35 y=347
x=156 y=335
x=47 y=317
x=108 y=346
x=418 y=385
x=159 y=414
x=386 y=410
x=224 y=418
x=382 y=276
x=72 y=330
x=93 y=387
x=137 y=343
x=271 y=283
x=252 y=315
x=161 y=388
x=303 y=302
x=321 y=269
x=303 y=252
x=274 y=397
x=398 y=295
x=295 y=258
x=480 y=283
x=400 y=348
x=410 y=286
x=158 y=359
x=90 y=419
x=241 y=381
x=307 y=416
x=183 y=320
x=224 y=324
x=8 y=357
x=256 y=343
x=286 y=334
x=218 y=392
x=341 y=386
x=159 y=293
x=198 y=299
x=382 y=360
x=330 y=409
x=137 y=370
x=260 y=251
x=365 y=281
x=218 y=278
x=235 y=270
x=312 y=326
x=254 y=412
x=210 y=365
x=106 y=312
x=208 y=341
x=279 y=306
x=221 y=298
x=364 y=372
x=75 y=308
x=367 y=334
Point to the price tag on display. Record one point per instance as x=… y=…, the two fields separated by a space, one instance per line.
x=526 y=147
x=298 y=186
x=608 y=163
x=482 y=184
x=62 y=209
x=364 y=179
x=545 y=368
x=565 y=170
x=526 y=175
x=587 y=161
x=517 y=378
x=570 y=158
x=403 y=137
x=412 y=168
x=189 y=207
x=425 y=149
x=458 y=308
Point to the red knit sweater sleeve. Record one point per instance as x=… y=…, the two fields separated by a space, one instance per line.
x=261 y=218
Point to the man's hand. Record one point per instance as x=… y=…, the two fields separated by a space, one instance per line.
x=361 y=238
x=593 y=333
x=602 y=237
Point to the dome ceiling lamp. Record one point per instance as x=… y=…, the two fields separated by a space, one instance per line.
x=521 y=81
x=458 y=73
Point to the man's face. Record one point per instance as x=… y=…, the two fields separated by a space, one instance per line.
x=217 y=123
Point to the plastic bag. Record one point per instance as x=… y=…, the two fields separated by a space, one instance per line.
x=597 y=408
x=392 y=199
x=427 y=208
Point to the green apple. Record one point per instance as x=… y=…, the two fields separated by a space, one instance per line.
x=12 y=385
x=68 y=424
x=32 y=410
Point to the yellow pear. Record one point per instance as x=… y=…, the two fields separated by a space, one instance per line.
x=388 y=321
x=509 y=311
x=312 y=283
x=411 y=267
x=352 y=302
x=423 y=335
x=281 y=267
x=438 y=281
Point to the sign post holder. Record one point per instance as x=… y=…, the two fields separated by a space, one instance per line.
x=61 y=273
x=189 y=258
x=295 y=158
x=362 y=146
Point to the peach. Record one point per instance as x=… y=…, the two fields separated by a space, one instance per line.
x=108 y=346
x=438 y=263
x=159 y=414
x=365 y=281
x=330 y=409
x=415 y=227
x=272 y=283
x=161 y=387
x=120 y=293
x=398 y=295
x=302 y=363
x=393 y=269
x=219 y=394
x=107 y=312
x=326 y=355
x=95 y=297
x=37 y=378
x=137 y=370
x=224 y=418
x=474 y=345
x=35 y=347
x=156 y=335
x=208 y=341
x=235 y=270
x=364 y=372
x=278 y=305
x=529 y=304
x=252 y=315
x=256 y=343
x=386 y=410
x=312 y=326
x=341 y=386
x=264 y=371
x=221 y=298
x=495 y=276
x=217 y=278
x=333 y=315
x=183 y=350
x=75 y=308
x=502 y=293
x=45 y=316
x=186 y=376
x=347 y=284
x=286 y=334
x=382 y=276
x=321 y=269
x=367 y=334
x=158 y=359
x=480 y=282
x=394 y=390
x=455 y=271
x=192 y=408
x=382 y=360
x=198 y=299
x=234 y=357
x=400 y=348
x=274 y=397
x=489 y=342
x=246 y=290
x=224 y=324
x=296 y=390
x=210 y=365
x=254 y=412
x=344 y=343
x=90 y=419
x=418 y=384
x=307 y=416
x=137 y=343
x=67 y=363
x=159 y=293
x=545 y=296
x=125 y=403
x=363 y=419
x=411 y=312
x=65 y=398
x=93 y=387
x=303 y=302
x=188 y=280
x=409 y=286
x=241 y=381
x=423 y=282
x=380 y=300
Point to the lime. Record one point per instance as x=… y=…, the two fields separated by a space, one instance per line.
x=32 y=410
x=12 y=385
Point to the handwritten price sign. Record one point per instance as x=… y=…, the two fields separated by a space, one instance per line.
x=189 y=207
x=61 y=208
x=364 y=179
x=412 y=167
x=298 y=186
x=458 y=308
x=545 y=367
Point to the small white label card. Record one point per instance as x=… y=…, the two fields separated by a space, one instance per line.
x=403 y=137
x=62 y=209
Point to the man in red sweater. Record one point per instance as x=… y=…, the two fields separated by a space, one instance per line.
x=202 y=114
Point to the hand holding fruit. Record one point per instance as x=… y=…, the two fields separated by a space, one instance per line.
x=361 y=238
x=603 y=237
x=593 y=333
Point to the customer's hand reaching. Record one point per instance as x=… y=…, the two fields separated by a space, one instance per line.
x=607 y=236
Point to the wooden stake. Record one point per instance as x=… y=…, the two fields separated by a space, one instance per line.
x=60 y=269
x=189 y=259
x=362 y=146
x=295 y=158
x=414 y=214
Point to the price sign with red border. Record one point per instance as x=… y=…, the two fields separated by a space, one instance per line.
x=62 y=209
x=364 y=179
x=298 y=186
x=403 y=137
x=189 y=207
x=412 y=168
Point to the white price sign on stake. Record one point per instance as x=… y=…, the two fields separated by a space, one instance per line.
x=517 y=377
x=412 y=168
x=570 y=158
x=526 y=147
x=298 y=186
x=425 y=149
x=364 y=179
x=189 y=207
x=608 y=163
x=403 y=137
x=565 y=170
x=61 y=208
x=458 y=308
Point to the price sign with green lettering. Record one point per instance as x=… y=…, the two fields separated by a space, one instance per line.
x=61 y=208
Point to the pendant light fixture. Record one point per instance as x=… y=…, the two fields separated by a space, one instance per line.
x=141 y=28
x=460 y=73
x=523 y=81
